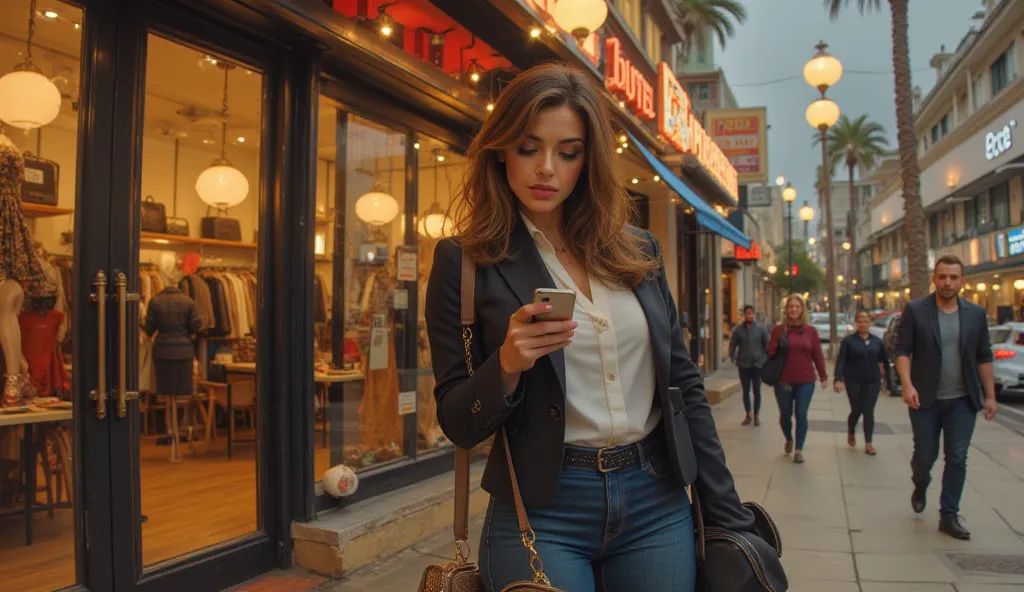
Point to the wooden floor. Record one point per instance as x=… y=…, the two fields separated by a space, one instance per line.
x=203 y=501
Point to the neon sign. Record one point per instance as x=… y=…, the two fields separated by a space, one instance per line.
x=680 y=127
x=752 y=254
x=620 y=75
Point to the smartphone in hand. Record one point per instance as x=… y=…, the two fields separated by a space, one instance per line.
x=563 y=303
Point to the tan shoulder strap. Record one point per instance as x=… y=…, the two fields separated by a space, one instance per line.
x=462 y=455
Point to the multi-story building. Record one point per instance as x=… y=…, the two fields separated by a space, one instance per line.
x=971 y=163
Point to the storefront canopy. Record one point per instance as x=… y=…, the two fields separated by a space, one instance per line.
x=706 y=215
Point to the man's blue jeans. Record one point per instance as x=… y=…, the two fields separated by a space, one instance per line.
x=794 y=398
x=622 y=531
x=954 y=419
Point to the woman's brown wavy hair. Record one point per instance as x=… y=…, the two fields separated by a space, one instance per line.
x=595 y=214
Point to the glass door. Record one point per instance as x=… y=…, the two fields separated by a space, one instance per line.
x=189 y=411
x=54 y=220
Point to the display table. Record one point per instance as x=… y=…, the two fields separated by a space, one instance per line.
x=324 y=379
x=28 y=420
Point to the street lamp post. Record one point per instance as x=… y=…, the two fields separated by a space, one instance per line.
x=789 y=195
x=847 y=246
x=822 y=72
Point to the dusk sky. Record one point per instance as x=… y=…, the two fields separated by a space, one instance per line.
x=778 y=39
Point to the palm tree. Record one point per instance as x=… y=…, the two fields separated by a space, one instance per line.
x=699 y=17
x=913 y=220
x=856 y=142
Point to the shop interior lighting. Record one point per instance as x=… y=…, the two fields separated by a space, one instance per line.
x=50 y=14
x=28 y=99
x=221 y=185
x=1018 y=284
x=240 y=139
x=416 y=146
x=535 y=32
x=490 y=106
x=580 y=17
x=635 y=181
x=623 y=138
x=385 y=24
x=657 y=178
x=435 y=224
x=618 y=150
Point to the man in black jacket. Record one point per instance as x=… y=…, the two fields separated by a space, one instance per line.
x=944 y=360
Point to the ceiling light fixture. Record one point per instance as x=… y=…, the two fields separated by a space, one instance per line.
x=28 y=99
x=221 y=185
x=490 y=106
x=580 y=17
x=50 y=14
x=535 y=32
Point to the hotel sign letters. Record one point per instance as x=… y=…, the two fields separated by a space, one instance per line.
x=680 y=127
x=621 y=76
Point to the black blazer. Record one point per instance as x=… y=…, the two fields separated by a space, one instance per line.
x=472 y=408
x=919 y=340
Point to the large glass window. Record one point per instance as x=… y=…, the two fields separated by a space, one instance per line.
x=1000 y=203
x=37 y=204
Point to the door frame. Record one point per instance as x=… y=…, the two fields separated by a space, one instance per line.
x=108 y=556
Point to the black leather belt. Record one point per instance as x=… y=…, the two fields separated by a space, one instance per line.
x=615 y=458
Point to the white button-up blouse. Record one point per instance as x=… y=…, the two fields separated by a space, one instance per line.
x=609 y=367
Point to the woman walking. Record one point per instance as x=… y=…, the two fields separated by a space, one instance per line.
x=796 y=382
x=859 y=369
x=580 y=402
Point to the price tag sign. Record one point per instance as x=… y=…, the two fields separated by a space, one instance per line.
x=401 y=300
x=379 y=343
x=407 y=266
x=407 y=402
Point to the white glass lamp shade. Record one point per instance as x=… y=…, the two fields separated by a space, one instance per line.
x=823 y=112
x=1018 y=284
x=772 y=269
x=823 y=70
x=789 y=193
x=222 y=185
x=376 y=208
x=28 y=99
x=580 y=17
x=807 y=213
x=435 y=226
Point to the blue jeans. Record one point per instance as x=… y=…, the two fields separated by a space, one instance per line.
x=954 y=419
x=628 y=530
x=796 y=397
x=751 y=377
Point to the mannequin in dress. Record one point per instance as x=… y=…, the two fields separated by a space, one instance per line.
x=20 y=272
x=174 y=317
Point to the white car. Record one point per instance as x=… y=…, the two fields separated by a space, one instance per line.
x=879 y=326
x=820 y=322
x=1008 y=367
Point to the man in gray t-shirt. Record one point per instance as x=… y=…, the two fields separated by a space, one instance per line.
x=951 y=374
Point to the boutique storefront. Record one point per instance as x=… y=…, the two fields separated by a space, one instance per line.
x=287 y=166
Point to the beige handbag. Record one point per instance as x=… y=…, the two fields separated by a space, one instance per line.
x=460 y=575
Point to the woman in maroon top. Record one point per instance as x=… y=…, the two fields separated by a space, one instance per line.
x=796 y=383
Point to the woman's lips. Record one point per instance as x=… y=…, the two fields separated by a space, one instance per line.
x=542 y=191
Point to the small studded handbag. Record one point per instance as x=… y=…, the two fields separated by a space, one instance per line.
x=461 y=575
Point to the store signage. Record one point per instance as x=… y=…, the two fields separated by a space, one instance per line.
x=622 y=76
x=407 y=403
x=678 y=124
x=1015 y=241
x=751 y=254
x=742 y=136
x=998 y=142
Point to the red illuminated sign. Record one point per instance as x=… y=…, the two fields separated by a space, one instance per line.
x=751 y=254
x=621 y=76
x=796 y=269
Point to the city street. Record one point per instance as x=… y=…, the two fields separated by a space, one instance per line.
x=845 y=517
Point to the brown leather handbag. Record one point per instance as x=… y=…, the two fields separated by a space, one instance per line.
x=460 y=575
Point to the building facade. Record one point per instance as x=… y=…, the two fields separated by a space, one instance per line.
x=971 y=165
x=287 y=165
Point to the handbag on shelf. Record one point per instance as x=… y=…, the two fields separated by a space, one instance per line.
x=772 y=369
x=729 y=561
x=41 y=180
x=461 y=575
x=177 y=226
x=153 y=216
x=220 y=226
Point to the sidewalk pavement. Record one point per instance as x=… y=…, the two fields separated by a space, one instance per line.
x=845 y=517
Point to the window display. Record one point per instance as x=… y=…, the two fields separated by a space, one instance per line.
x=38 y=161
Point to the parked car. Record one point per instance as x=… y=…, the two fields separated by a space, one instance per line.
x=820 y=322
x=880 y=325
x=1008 y=367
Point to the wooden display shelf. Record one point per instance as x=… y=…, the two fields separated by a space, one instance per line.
x=31 y=210
x=174 y=239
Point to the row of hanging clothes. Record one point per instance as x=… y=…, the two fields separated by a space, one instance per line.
x=225 y=298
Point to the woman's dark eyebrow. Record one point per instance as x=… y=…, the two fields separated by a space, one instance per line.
x=565 y=141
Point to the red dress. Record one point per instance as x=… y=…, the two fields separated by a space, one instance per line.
x=42 y=352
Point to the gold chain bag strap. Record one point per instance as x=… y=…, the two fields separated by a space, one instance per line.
x=460 y=575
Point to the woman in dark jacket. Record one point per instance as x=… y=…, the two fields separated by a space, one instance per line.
x=859 y=368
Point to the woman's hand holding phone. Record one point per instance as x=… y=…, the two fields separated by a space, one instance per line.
x=527 y=341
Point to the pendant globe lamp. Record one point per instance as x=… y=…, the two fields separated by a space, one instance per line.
x=435 y=224
x=580 y=17
x=221 y=185
x=376 y=207
x=28 y=100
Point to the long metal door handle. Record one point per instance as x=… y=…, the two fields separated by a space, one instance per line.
x=99 y=296
x=123 y=297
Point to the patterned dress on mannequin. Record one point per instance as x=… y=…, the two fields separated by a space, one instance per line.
x=18 y=259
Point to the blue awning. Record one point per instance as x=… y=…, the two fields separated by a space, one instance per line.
x=706 y=215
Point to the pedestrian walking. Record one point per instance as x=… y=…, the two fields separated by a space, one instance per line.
x=605 y=415
x=860 y=367
x=944 y=359
x=748 y=349
x=796 y=382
